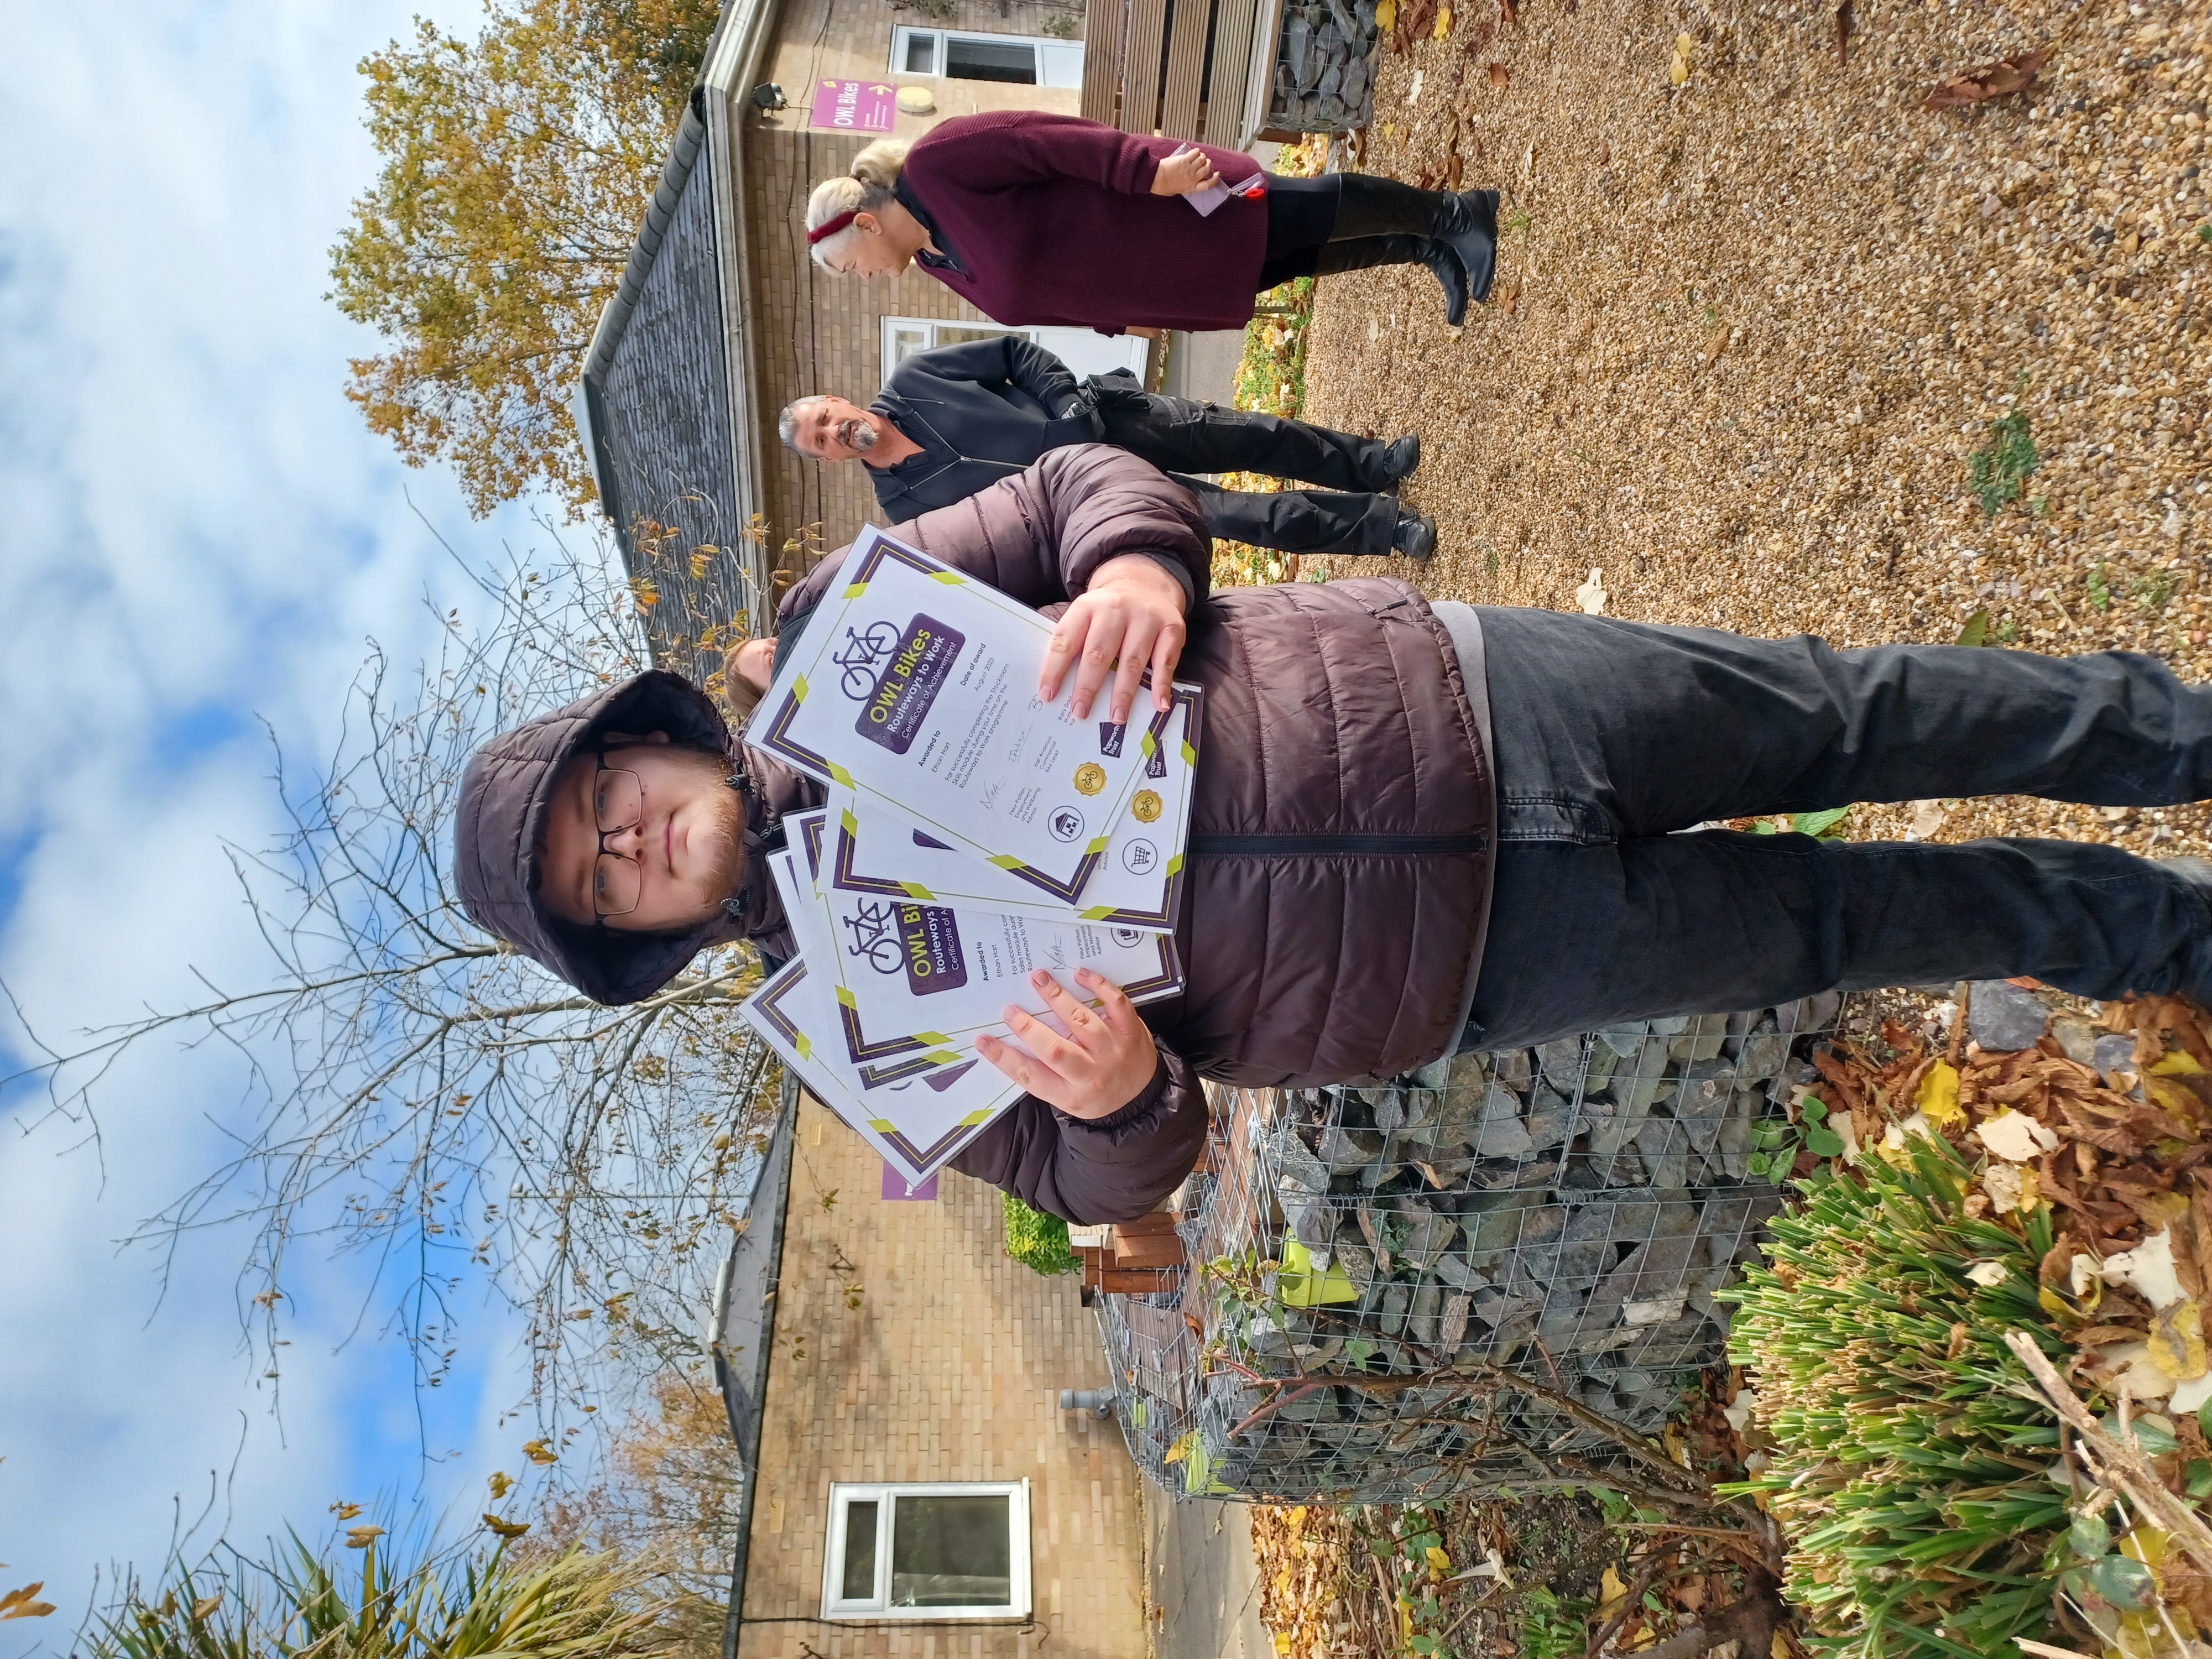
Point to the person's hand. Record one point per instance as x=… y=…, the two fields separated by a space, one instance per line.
x=1102 y=1063
x=1132 y=612
x=1179 y=175
x=1137 y=333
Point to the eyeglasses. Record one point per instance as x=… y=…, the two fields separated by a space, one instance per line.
x=618 y=804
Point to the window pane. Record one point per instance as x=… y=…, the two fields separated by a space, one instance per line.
x=951 y=1552
x=968 y=57
x=859 y=1581
x=920 y=54
x=960 y=334
x=905 y=342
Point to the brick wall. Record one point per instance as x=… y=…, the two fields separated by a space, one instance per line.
x=857 y=46
x=820 y=333
x=948 y=1370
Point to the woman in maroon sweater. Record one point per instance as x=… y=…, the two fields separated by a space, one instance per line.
x=1046 y=219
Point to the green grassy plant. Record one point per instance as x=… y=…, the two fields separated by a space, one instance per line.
x=1038 y=1241
x=1909 y=1473
x=1998 y=469
x=407 y=1599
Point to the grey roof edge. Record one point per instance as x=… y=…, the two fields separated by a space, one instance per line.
x=732 y=65
x=756 y=1272
x=614 y=316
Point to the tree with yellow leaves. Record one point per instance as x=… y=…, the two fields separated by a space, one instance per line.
x=517 y=170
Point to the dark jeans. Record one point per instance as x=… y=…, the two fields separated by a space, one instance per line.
x=1299 y=520
x=1301 y=214
x=1613 y=736
x=1349 y=515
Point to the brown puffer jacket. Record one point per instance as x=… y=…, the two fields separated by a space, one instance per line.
x=1338 y=858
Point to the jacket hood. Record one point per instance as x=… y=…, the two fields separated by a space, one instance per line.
x=505 y=795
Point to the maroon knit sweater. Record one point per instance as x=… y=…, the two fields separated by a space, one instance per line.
x=1051 y=220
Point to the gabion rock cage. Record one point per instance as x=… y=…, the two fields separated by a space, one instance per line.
x=1325 y=67
x=1559 y=1217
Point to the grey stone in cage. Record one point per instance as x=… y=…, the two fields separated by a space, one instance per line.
x=1324 y=78
x=1564 y=1214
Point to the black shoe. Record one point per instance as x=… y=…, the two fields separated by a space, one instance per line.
x=1415 y=537
x=1467 y=224
x=1400 y=460
x=2195 y=968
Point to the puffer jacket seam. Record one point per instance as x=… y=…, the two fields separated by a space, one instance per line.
x=1242 y=660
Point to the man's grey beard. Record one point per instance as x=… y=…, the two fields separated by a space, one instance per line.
x=860 y=435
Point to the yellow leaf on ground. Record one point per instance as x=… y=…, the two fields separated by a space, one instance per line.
x=2177 y=1340
x=1678 y=70
x=1282 y=1642
x=2179 y=1063
x=1439 y=1561
x=1443 y=22
x=1939 y=1096
x=1181 y=1449
x=1612 y=1592
x=1386 y=15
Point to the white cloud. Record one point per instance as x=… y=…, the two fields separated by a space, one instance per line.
x=195 y=530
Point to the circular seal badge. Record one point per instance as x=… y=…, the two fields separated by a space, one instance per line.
x=1146 y=806
x=1089 y=778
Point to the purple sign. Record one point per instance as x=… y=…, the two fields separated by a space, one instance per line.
x=896 y=1188
x=853 y=105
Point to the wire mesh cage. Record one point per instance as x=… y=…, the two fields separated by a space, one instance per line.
x=1457 y=1281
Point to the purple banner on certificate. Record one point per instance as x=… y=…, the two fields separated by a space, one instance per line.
x=897 y=1187
x=853 y=105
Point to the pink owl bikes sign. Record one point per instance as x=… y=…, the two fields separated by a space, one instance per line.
x=853 y=105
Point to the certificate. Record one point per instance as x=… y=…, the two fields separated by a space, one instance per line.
x=876 y=851
x=918 y=1125
x=914 y=686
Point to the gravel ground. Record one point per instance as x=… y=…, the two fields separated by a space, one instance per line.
x=1749 y=330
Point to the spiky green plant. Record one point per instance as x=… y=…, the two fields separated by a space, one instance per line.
x=1910 y=1468
x=426 y=1604
x=1038 y=1241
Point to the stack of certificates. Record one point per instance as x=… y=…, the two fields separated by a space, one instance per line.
x=972 y=833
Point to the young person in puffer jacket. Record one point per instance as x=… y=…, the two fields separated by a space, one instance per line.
x=1416 y=827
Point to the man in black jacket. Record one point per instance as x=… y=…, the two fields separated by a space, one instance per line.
x=956 y=420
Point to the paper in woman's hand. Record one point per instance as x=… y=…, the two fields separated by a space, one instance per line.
x=1206 y=200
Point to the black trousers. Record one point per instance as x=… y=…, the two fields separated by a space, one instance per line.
x=1351 y=513
x=1612 y=737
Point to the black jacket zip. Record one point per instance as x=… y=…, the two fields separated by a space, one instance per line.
x=1323 y=845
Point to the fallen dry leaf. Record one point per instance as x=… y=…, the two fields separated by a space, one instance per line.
x=1843 y=34
x=1508 y=298
x=1499 y=75
x=1452 y=171
x=1591 y=595
x=1509 y=11
x=1998 y=80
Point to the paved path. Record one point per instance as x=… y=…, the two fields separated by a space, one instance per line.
x=1203 y=1589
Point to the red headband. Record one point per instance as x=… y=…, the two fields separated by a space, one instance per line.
x=829 y=228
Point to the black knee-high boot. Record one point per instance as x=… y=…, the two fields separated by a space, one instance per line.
x=1371 y=250
x=1375 y=209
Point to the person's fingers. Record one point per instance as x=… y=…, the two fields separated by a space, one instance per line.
x=1116 y=1012
x=1167 y=652
x=1136 y=652
x=1033 y=1076
x=1047 y=1044
x=1061 y=652
x=1085 y=1031
x=1104 y=628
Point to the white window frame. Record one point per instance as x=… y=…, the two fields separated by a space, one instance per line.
x=933 y=328
x=1041 y=46
x=877 y=1608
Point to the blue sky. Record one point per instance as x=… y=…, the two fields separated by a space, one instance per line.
x=197 y=534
